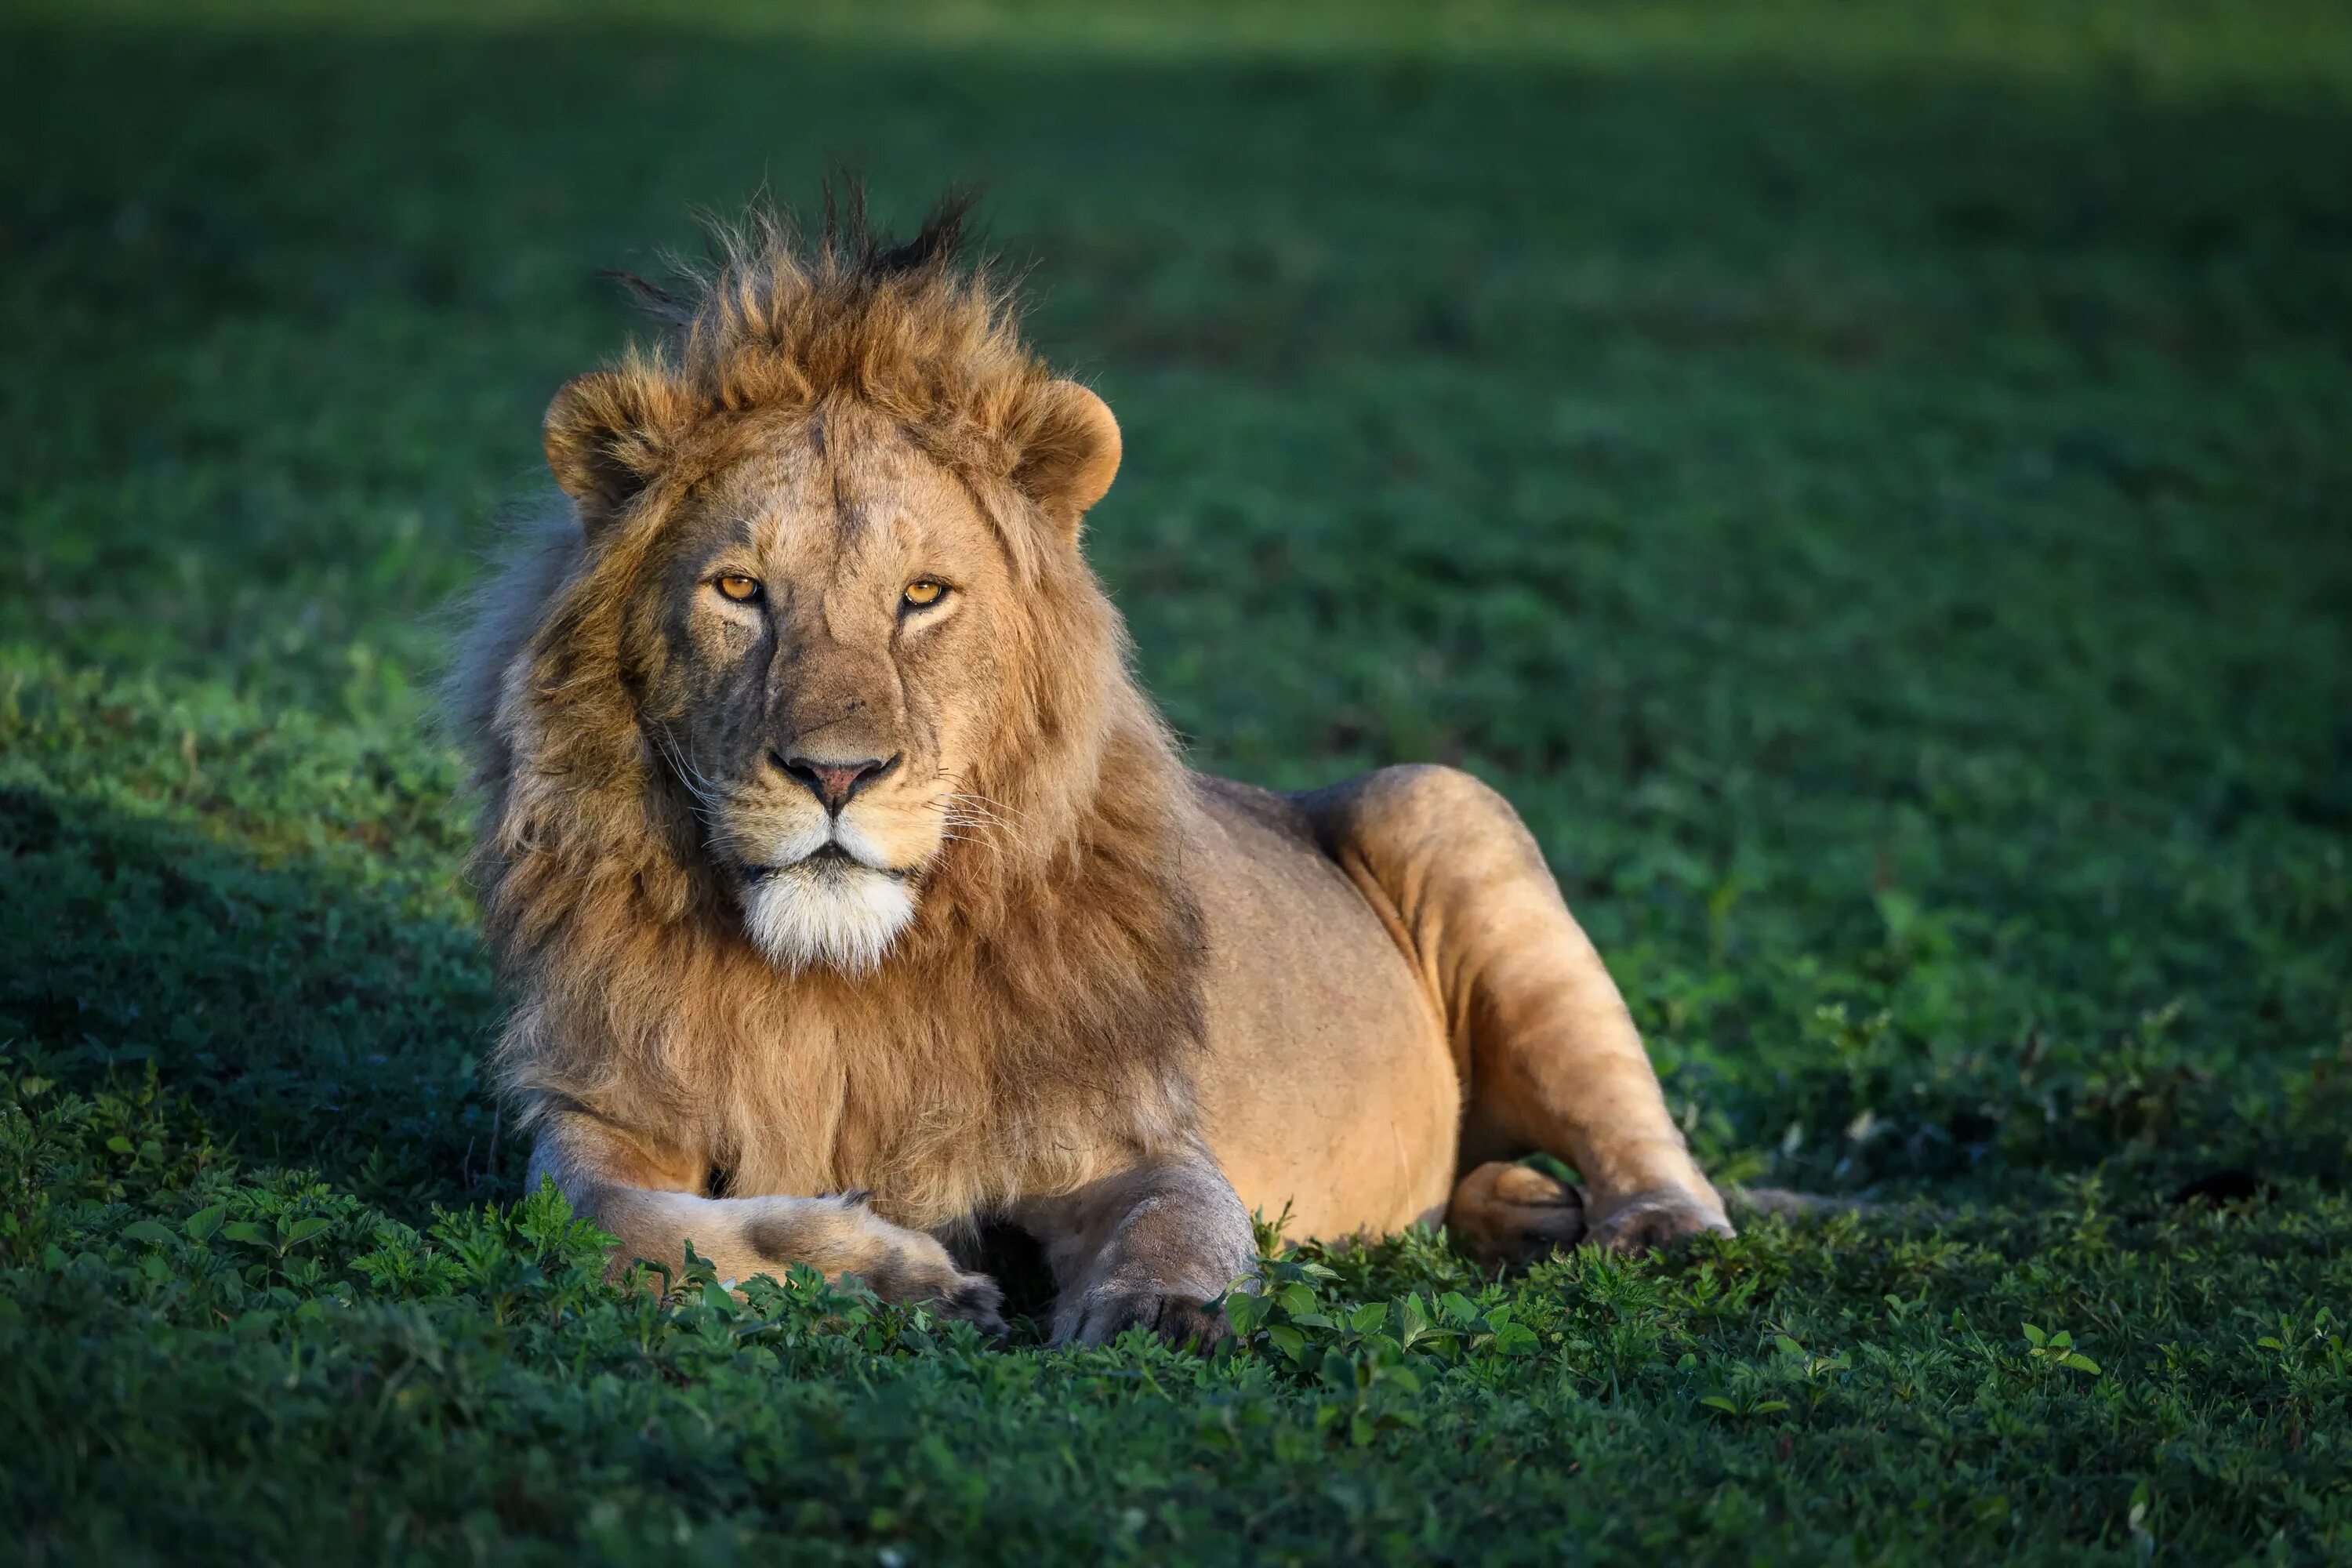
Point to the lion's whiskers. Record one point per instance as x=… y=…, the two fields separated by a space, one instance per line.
x=706 y=797
x=988 y=804
x=963 y=809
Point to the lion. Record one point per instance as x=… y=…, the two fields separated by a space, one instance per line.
x=854 y=898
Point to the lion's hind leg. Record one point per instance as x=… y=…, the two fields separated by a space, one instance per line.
x=1549 y=1056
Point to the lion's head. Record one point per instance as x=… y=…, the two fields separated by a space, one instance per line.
x=823 y=648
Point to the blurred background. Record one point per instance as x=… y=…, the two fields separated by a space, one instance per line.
x=1869 y=480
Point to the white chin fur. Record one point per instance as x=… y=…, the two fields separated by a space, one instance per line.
x=840 y=916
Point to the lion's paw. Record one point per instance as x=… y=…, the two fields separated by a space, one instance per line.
x=929 y=1279
x=973 y=1299
x=1178 y=1317
x=1511 y=1216
x=1656 y=1220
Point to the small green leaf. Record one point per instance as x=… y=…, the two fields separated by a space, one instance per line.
x=148 y=1231
x=2081 y=1363
x=252 y=1235
x=1369 y=1319
x=2035 y=1337
x=1718 y=1402
x=1287 y=1340
x=1766 y=1407
x=303 y=1230
x=118 y=1143
x=1458 y=1307
x=1516 y=1339
x=1413 y=1320
x=200 y=1226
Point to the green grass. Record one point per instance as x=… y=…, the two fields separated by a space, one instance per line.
x=1870 y=485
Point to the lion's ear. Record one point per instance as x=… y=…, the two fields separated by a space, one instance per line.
x=1071 y=453
x=607 y=434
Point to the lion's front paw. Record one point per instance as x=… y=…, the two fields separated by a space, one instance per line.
x=975 y=1300
x=950 y=1293
x=927 y=1277
x=1175 y=1317
x=1656 y=1220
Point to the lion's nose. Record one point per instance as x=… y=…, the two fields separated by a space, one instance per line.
x=833 y=784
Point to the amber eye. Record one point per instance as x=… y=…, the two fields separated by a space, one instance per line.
x=740 y=589
x=923 y=592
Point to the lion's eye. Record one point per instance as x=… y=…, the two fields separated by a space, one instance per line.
x=740 y=589
x=923 y=592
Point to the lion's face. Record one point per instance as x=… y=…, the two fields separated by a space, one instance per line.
x=816 y=644
x=830 y=590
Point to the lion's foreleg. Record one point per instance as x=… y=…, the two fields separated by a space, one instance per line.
x=1150 y=1246
x=647 y=1202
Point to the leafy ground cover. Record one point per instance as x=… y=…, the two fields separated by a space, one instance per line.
x=1869 y=483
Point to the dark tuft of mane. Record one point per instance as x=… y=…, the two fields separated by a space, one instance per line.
x=937 y=246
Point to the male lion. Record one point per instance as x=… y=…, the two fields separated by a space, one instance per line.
x=854 y=896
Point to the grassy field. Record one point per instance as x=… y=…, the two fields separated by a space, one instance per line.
x=1871 y=485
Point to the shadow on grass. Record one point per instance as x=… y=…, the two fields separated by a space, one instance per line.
x=306 y=1022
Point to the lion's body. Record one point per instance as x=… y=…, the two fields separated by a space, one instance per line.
x=831 y=848
x=1328 y=1087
